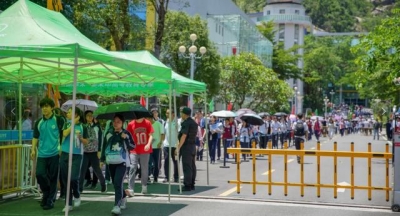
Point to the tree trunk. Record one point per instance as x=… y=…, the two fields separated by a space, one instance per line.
x=160 y=31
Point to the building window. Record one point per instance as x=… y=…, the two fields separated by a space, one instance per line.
x=268 y=12
x=297 y=50
x=281 y=31
x=282 y=11
x=297 y=12
x=296 y=32
x=222 y=31
x=216 y=27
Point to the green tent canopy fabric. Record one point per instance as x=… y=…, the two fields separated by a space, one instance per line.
x=181 y=84
x=40 y=46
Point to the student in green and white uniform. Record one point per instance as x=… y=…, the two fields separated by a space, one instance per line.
x=79 y=139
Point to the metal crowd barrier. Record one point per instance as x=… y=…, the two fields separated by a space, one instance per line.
x=315 y=153
x=16 y=170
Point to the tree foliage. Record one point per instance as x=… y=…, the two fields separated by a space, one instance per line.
x=284 y=62
x=328 y=61
x=246 y=82
x=109 y=23
x=379 y=63
x=249 y=6
x=178 y=27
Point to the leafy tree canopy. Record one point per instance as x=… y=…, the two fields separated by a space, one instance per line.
x=178 y=27
x=247 y=83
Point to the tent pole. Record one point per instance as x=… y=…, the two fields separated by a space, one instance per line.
x=21 y=67
x=178 y=160
x=147 y=102
x=72 y=134
x=206 y=131
x=169 y=141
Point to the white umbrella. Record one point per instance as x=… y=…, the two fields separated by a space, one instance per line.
x=82 y=104
x=315 y=117
x=224 y=114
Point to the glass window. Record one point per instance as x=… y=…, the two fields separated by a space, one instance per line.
x=282 y=11
x=281 y=31
x=297 y=12
x=296 y=32
x=268 y=12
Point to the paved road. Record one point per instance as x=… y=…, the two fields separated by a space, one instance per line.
x=220 y=198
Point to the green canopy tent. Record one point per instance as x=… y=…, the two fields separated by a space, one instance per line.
x=41 y=46
x=180 y=85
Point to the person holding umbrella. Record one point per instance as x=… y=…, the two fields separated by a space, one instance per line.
x=79 y=140
x=115 y=152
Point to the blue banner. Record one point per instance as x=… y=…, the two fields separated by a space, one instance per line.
x=12 y=135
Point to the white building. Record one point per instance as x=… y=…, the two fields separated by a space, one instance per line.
x=291 y=26
x=229 y=28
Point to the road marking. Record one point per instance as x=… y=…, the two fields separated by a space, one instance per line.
x=266 y=173
x=228 y=192
x=342 y=190
x=290 y=160
x=313 y=148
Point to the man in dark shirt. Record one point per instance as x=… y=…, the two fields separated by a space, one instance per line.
x=187 y=148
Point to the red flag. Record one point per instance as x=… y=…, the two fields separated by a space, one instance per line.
x=293 y=111
x=230 y=106
x=142 y=101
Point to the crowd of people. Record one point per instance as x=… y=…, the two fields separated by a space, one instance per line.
x=126 y=150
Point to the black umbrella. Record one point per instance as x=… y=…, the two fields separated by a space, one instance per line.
x=280 y=114
x=263 y=114
x=252 y=119
x=128 y=110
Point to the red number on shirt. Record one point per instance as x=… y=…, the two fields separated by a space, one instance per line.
x=141 y=138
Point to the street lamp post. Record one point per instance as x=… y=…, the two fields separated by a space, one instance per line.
x=332 y=93
x=299 y=98
x=326 y=100
x=192 y=55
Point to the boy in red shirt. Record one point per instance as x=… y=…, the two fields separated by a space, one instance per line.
x=141 y=130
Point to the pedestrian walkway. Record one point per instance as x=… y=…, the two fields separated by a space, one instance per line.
x=219 y=197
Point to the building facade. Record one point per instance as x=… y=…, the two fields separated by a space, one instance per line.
x=291 y=25
x=231 y=30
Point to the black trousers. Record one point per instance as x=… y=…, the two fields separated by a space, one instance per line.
x=174 y=163
x=188 y=153
x=117 y=174
x=47 y=175
x=75 y=173
x=263 y=141
x=91 y=158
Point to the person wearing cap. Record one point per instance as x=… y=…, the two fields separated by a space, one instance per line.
x=187 y=148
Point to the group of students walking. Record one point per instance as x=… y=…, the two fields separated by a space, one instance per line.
x=121 y=148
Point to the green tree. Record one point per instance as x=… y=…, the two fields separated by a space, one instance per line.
x=178 y=27
x=108 y=23
x=250 y=5
x=328 y=61
x=284 y=62
x=246 y=82
x=379 y=60
x=7 y=3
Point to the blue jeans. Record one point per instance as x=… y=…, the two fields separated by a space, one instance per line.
x=153 y=163
x=213 y=146
x=376 y=132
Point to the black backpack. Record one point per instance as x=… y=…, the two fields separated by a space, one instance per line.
x=299 y=129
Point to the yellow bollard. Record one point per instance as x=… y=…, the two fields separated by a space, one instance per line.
x=369 y=174
x=318 y=171
x=352 y=171
x=335 y=171
x=269 y=170
x=254 y=167
x=269 y=144
x=302 y=171
x=238 y=167
x=285 y=146
x=387 y=174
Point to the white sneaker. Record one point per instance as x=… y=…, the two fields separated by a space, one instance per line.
x=144 y=189
x=116 y=210
x=77 y=202
x=129 y=192
x=69 y=208
x=123 y=203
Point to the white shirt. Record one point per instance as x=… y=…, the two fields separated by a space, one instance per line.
x=305 y=130
x=174 y=134
x=275 y=126
x=264 y=128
